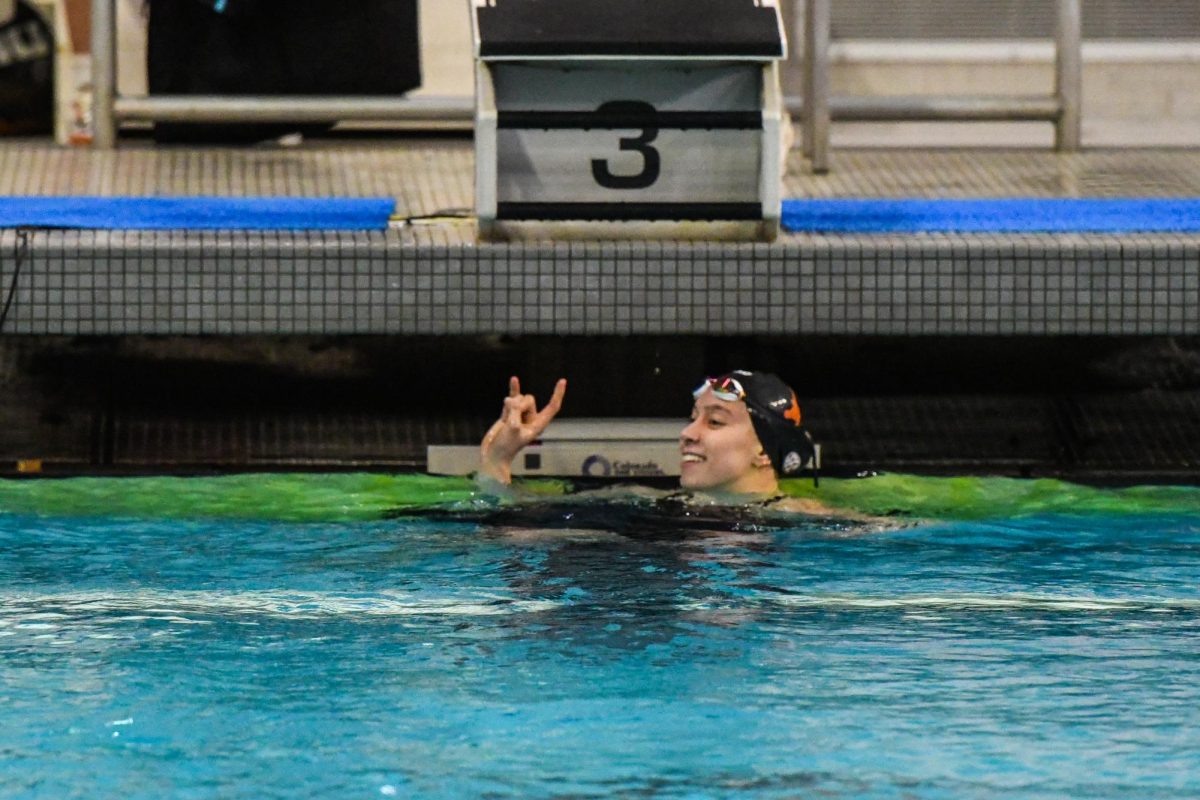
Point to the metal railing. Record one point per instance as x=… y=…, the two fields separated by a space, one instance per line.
x=818 y=109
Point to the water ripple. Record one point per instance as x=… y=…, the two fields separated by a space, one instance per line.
x=182 y=606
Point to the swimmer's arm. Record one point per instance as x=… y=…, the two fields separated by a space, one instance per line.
x=519 y=424
x=491 y=486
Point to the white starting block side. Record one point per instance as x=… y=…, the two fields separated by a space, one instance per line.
x=583 y=447
x=586 y=448
x=568 y=460
x=625 y=429
x=591 y=129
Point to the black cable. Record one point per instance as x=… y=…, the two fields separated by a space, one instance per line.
x=20 y=253
x=443 y=214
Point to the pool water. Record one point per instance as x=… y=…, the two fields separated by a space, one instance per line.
x=234 y=648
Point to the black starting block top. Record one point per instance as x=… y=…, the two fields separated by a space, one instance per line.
x=632 y=28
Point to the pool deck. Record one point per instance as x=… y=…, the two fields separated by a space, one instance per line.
x=433 y=278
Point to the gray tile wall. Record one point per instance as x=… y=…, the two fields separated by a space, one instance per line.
x=424 y=282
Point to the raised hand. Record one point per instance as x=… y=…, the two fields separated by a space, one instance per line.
x=520 y=423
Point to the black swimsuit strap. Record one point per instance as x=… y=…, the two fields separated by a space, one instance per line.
x=683 y=495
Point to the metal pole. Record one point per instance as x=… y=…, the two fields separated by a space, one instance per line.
x=1069 y=74
x=792 y=72
x=806 y=77
x=104 y=73
x=292 y=108
x=1004 y=108
x=816 y=99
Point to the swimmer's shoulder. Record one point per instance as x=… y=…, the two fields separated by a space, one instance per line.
x=787 y=504
x=803 y=505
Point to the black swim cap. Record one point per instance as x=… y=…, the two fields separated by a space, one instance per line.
x=775 y=414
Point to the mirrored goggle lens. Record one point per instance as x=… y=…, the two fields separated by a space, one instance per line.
x=725 y=389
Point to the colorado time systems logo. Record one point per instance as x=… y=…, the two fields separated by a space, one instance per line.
x=597 y=466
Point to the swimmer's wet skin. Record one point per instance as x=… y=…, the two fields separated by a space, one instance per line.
x=746 y=432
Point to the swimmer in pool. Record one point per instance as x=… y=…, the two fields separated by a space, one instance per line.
x=745 y=434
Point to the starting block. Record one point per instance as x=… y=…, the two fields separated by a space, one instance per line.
x=627 y=449
x=619 y=113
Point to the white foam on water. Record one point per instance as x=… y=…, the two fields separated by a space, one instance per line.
x=183 y=607
x=985 y=602
x=933 y=607
x=29 y=612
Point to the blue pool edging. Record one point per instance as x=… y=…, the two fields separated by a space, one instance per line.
x=197 y=213
x=1040 y=215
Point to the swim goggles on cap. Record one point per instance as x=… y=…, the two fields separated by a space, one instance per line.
x=726 y=388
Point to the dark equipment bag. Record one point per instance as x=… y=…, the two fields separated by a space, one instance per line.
x=273 y=47
x=26 y=73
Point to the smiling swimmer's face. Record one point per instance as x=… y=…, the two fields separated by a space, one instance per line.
x=720 y=452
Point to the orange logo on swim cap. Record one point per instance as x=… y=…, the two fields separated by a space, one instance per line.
x=793 y=412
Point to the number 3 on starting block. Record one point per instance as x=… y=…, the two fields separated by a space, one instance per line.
x=577 y=135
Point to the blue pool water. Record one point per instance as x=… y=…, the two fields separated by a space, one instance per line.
x=1047 y=656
